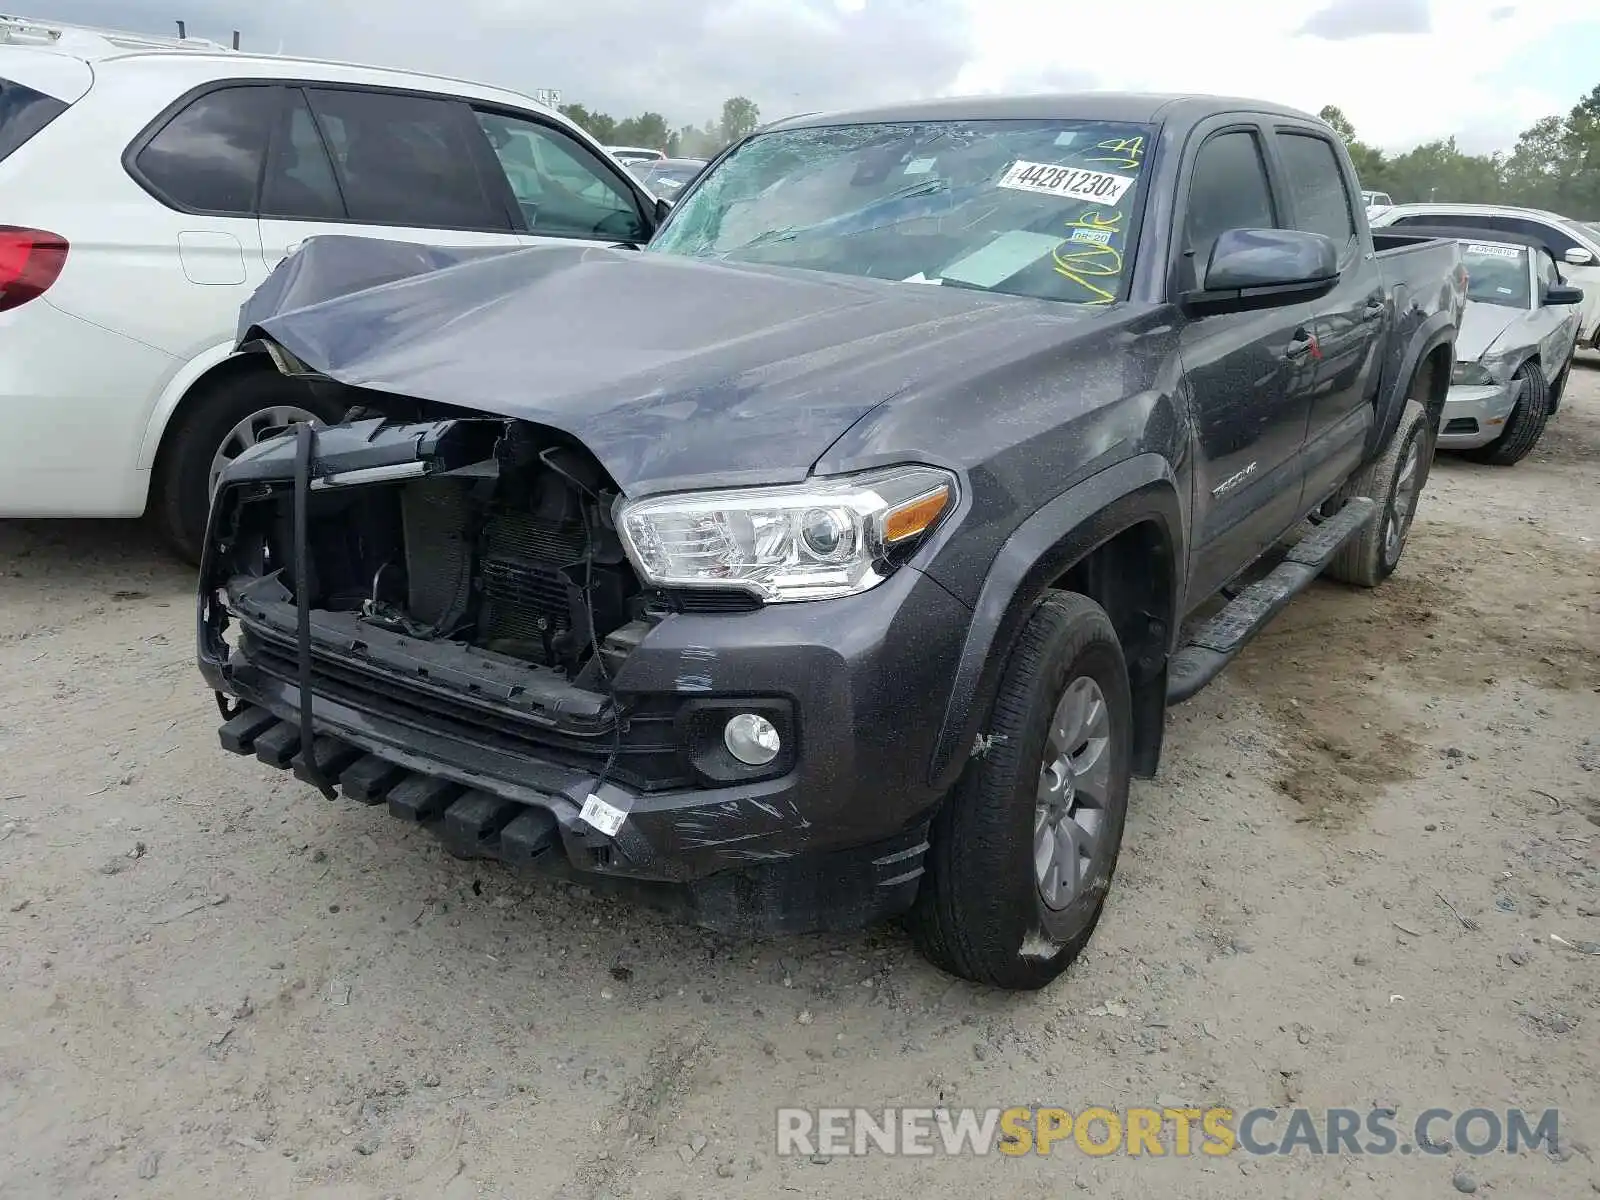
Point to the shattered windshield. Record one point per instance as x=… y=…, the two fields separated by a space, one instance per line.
x=1030 y=208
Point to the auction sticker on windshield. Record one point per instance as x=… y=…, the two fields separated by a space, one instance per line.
x=1071 y=182
x=1495 y=251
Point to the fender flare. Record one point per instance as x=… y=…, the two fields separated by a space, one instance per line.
x=1436 y=331
x=1037 y=553
x=172 y=395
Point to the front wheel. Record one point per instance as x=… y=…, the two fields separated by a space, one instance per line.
x=214 y=427
x=1022 y=852
x=1526 y=426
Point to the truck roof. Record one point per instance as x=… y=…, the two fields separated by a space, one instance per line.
x=1132 y=107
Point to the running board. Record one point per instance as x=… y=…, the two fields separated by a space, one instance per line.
x=1216 y=643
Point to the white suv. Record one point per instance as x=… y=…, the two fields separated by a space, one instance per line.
x=1575 y=245
x=147 y=186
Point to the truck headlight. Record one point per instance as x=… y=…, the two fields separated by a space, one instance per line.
x=824 y=538
x=1470 y=374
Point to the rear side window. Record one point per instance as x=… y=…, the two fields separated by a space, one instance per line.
x=208 y=157
x=23 y=112
x=299 y=182
x=1558 y=242
x=1229 y=191
x=406 y=160
x=1317 y=192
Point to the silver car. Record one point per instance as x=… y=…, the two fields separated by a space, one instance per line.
x=1513 y=351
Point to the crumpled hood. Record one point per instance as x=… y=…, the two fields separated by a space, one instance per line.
x=674 y=372
x=1481 y=326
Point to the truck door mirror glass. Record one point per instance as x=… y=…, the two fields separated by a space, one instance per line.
x=1263 y=268
x=1562 y=293
x=1578 y=256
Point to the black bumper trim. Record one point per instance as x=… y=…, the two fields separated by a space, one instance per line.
x=836 y=890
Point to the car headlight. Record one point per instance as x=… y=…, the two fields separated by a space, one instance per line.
x=813 y=541
x=1470 y=374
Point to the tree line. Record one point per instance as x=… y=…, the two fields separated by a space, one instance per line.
x=1555 y=165
x=740 y=116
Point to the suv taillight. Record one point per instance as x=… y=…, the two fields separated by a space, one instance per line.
x=30 y=261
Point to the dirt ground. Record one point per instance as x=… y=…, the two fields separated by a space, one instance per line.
x=216 y=983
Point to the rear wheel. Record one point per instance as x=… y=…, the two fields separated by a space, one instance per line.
x=216 y=426
x=1526 y=426
x=1394 y=481
x=1023 y=850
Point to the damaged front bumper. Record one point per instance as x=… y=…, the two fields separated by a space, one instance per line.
x=499 y=757
x=1476 y=415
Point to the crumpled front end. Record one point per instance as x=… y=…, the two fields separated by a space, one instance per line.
x=1476 y=413
x=479 y=655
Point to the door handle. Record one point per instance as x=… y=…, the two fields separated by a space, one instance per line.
x=1301 y=343
x=1374 y=309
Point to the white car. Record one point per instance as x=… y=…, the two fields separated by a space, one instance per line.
x=1376 y=202
x=1575 y=245
x=148 y=186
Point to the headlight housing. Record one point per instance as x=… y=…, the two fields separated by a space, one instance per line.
x=1470 y=374
x=818 y=540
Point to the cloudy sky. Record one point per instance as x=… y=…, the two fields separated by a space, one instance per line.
x=1404 y=71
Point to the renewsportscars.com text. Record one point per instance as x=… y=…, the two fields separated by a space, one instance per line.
x=1160 y=1132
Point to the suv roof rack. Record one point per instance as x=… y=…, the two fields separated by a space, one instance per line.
x=25 y=31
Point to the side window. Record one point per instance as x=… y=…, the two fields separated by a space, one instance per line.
x=208 y=157
x=299 y=182
x=1317 y=192
x=1558 y=242
x=563 y=189
x=405 y=160
x=23 y=112
x=1229 y=190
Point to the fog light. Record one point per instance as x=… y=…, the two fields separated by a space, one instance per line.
x=753 y=740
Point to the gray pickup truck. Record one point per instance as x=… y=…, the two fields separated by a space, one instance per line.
x=838 y=553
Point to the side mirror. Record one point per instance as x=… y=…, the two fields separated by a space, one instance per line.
x=663 y=207
x=1579 y=257
x=1265 y=268
x=1562 y=293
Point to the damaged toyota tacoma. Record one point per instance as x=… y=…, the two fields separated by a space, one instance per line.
x=836 y=554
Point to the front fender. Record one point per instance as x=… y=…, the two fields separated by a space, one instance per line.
x=1038 y=553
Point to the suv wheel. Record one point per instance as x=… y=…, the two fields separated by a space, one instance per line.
x=1526 y=426
x=218 y=424
x=1022 y=851
x=1395 y=481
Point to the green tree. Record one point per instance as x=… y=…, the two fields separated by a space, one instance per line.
x=647 y=129
x=1580 y=194
x=1538 y=167
x=740 y=116
x=602 y=127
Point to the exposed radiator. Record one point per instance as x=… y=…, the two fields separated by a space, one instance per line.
x=438 y=551
x=526 y=598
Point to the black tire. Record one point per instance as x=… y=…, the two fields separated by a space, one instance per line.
x=1526 y=426
x=1370 y=557
x=181 y=491
x=980 y=911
